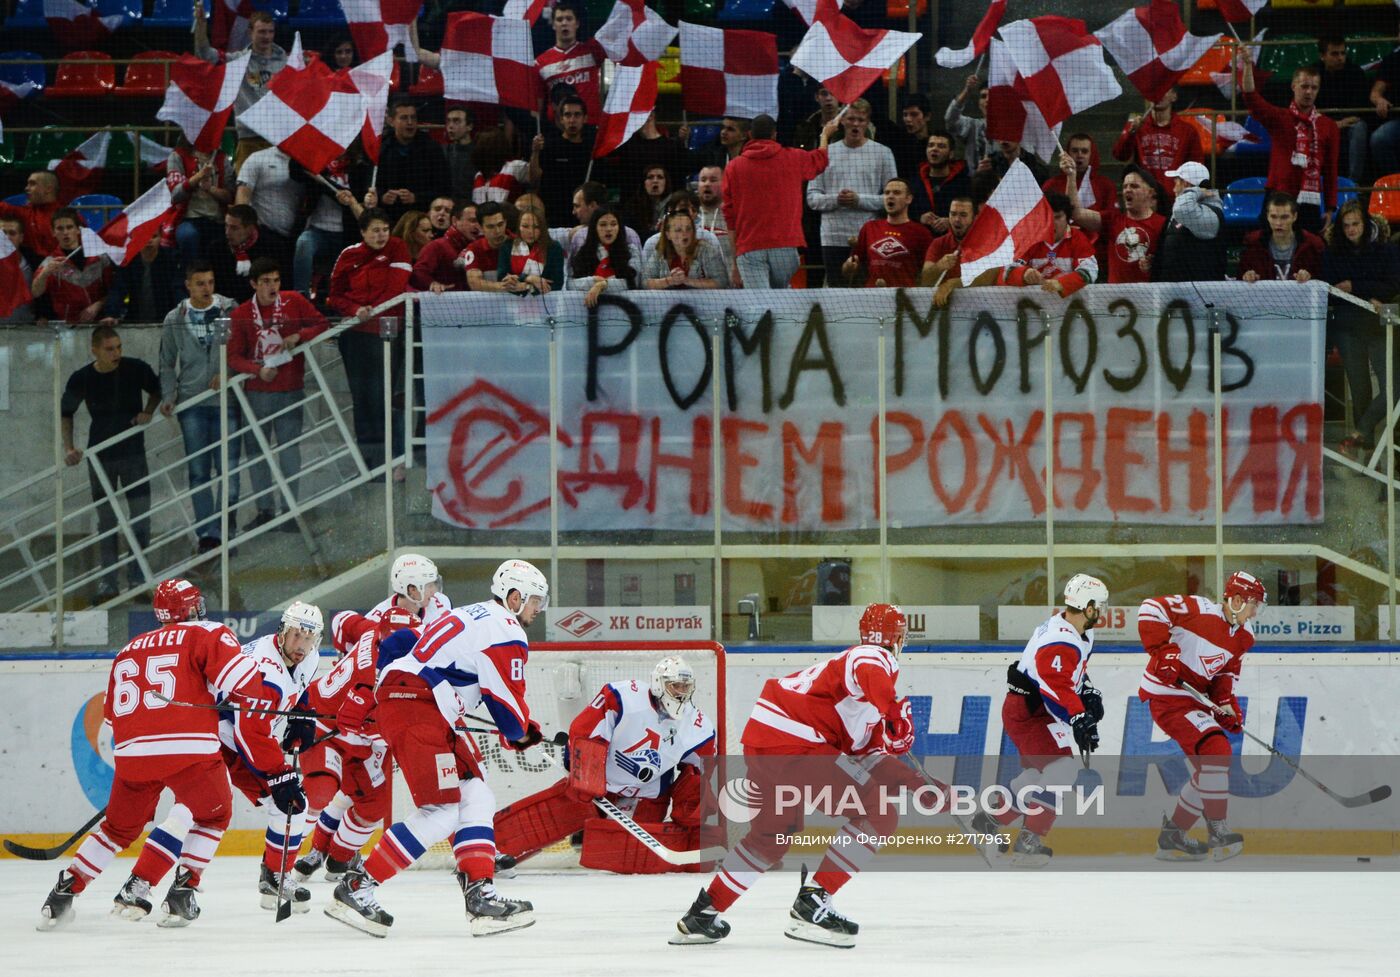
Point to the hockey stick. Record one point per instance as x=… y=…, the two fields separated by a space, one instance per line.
x=1371 y=796
x=230 y=706
x=49 y=854
x=284 y=897
x=963 y=824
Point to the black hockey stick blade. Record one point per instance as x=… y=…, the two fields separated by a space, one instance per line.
x=1372 y=796
x=49 y=854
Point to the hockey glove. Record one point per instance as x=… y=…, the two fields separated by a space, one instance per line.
x=287 y=795
x=1092 y=699
x=300 y=734
x=899 y=731
x=355 y=709
x=1232 y=721
x=531 y=737
x=1086 y=732
x=1166 y=665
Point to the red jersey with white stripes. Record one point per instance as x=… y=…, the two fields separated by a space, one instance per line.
x=327 y=694
x=581 y=66
x=646 y=747
x=190 y=662
x=505 y=186
x=256 y=736
x=1056 y=659
x=1211 y=648
x=1073 y=253
x=838 y=703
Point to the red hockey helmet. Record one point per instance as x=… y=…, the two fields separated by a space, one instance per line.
x=1245 y=585
x=177 y=600
x=884 y=625
x=395 y=619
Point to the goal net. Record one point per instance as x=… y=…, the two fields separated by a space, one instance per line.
x=561 y=678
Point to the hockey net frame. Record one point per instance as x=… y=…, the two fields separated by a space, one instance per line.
x=561 y=678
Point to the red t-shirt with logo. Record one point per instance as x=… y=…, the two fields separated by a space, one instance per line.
x=482 y=257
x=1128 y=239
x=893 y=253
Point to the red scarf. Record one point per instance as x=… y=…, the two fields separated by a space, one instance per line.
x=240 y=254
x=1305 y=144
x=604 y=269
x=526 y=260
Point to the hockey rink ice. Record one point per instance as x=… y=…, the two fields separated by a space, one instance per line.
x=952 y=924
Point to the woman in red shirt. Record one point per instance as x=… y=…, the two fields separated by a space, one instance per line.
x=531 y=263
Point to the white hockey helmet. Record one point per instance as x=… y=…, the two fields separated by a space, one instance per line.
x=304 y=617
x=1081 y=590
x=413 y=570
x=672 y=684
x=521 y=576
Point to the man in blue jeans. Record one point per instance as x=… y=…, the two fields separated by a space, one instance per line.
x=189 y=365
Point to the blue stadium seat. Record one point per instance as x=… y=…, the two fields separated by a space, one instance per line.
x=97 y=209
x=318 y=14
x=746 y=11
x=701 y=136
x=17 y=200
x=129 y=9
x=1261 y=143
x=281 y=9
x=172 y=14
x=18 y=74
x=1242 y=208
x=28 y=15
x=1346 y=190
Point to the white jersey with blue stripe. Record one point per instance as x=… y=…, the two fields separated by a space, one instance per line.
x=282 y=688
x=1056 y=659
x=646 y=747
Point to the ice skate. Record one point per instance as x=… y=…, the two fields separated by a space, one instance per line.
x=1029 y=851
x=1224 y=843
x=133 y=901
x=268 y=888
x=490 y=912
x=58 y=907
x=505 y=866
x=356 y=905
x=1174 y=845
x=701 y=924
x=984 y=824
x=178 y=906
x=309 y=864
x=814 y=920
x=337 y=870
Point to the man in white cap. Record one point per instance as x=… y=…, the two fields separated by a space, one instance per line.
x=1192 y=249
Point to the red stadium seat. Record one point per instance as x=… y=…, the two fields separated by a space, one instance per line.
x=84 y=74
x=1385 y=199
x=147 y=75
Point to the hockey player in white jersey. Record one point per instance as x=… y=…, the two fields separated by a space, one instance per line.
x=642 y=744
x=415 y=586
x=1050 y=707
x=470 y=656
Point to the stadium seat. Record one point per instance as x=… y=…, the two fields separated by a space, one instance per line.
x=1243 y=207
x=281 y=9
x=701 y=136
x=84 y=74
x=746 y=11
x=1200 y=121
x=318 y=15
x=1385 y=198
x=46 y=145
x=148 y=75
x=1259 y=143
x=172 y=14
x=97 y=209
x=699 y=11
x=1346 y=190
x=1284 y=59
x=1368 y=48
x=128 y=9
x=17 y=200
x=18 y=74
x=7 y=153
x=1214 y=61
x=28 y=15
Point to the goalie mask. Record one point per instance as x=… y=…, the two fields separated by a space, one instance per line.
x=300 y=634
x=672 y=685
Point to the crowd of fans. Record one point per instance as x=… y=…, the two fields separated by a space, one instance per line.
x=496 y=201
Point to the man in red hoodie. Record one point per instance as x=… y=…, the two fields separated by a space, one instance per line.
x=37 y=216
x=1304 y=147
x=436 y=269
x=262 y=334
x=1159 y=141
x=76 y=283
x=366 y=275
x=763 y=203
x=1095 y=191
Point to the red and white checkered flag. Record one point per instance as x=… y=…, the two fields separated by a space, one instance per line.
x=200 y=97
x=311 y=114
x=807 y=9
x=634 y=34
x=1012 y=114
x=377 y=26
x=229 y=29
x=528 y=10
x=1238 y=10
x=14 y=290
x=1152 y=47
x=78 y=26
x=489 y=59
x=81 y=169
x=981 y=37
x=728 y=73
x=1062 y=65
x=372 y=80
x=844 y=58
x=630 y=100
x=122 y=238
x=1014 y=219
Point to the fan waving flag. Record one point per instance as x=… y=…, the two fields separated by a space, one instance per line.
x=846 y=59
x=489 y=59
x=634 y=34
x=981 y=37
x=81 y=169
x=77 y=26
x=310 y=114
x=124 y=237
x=14 y=290
x=728 y=73
x=630 y=100
x=377 y=26
x=807 y=9
x=229 y=29
x=200 y=96
x=1012 y=114
x=1238 y=10
x=1062 y=65
x=1014 y=219
x=1152 y=47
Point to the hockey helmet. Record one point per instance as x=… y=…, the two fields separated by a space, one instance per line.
x=1081 y=590
x=413 y=570
x=672 y=684
x=303 y=617
x=177 y=600
x=395 y=619
x=885 y=626
x=1247 y=586
x=521 y=576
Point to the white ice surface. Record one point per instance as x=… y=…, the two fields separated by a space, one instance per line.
x=950 y=924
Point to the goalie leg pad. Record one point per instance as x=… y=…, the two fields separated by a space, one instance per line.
x=608 y=846
x=540 y=820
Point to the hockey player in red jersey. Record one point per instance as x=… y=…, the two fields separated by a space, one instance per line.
x=415 y=586
x=844 y=706
x=1050 y=707
x=157 y=745
x=644 y=746
x=471 y=656
x=1197 y=645
x=347 y=776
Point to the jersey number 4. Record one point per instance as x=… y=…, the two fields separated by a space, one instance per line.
x=128 y=694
